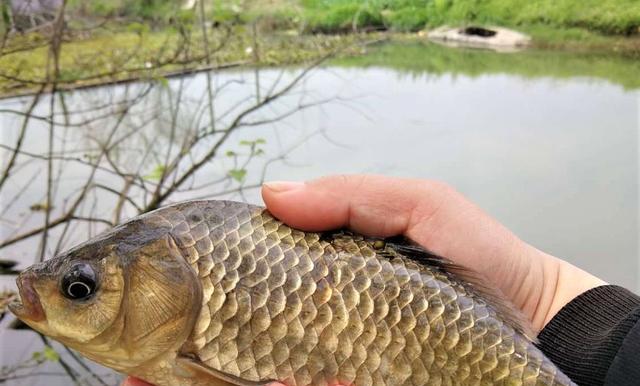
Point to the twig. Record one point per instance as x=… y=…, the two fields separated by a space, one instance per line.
x=53 y=73
x=205 y=40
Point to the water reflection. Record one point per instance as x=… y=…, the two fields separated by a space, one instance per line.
x=553 y=156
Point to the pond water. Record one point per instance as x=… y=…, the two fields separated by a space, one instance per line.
x=545 y=142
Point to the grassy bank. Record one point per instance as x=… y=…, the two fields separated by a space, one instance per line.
x=611 y=26
x=133 y=53
x=620 y=17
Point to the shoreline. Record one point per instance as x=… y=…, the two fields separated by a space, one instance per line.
x=306 y=47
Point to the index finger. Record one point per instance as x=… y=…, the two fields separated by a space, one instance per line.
x=369 y=204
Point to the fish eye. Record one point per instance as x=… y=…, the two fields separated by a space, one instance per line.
x=79 y=283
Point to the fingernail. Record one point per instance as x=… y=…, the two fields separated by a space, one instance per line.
x=283 y=186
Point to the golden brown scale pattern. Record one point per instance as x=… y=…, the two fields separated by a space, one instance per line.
x=281 y=304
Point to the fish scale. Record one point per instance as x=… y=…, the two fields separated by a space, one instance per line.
x=309 y=309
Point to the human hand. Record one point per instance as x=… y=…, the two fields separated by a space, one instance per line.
x=442 y=221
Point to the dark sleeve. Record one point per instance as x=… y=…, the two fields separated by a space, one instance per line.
x=595 y=339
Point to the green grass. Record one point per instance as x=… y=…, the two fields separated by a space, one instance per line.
x=136 y=52
x=604 y=16
x=416 y=59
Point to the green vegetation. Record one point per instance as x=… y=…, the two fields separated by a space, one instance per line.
x=137 y=52
x=159 y=13
x=581 y=40
x=611 y=26
x=150 y=10
x=604 y=16
x=620 y=17
x=153 y=38
x=416 y=59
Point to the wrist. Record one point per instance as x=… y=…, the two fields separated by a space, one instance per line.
x=571 y=282
x=548 y=284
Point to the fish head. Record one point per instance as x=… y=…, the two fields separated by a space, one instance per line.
x=73 y=297
x=120 y=299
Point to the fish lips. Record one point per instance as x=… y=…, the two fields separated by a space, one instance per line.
x=28 y=308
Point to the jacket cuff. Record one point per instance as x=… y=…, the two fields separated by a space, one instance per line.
x=625 y=369
x=585 y=336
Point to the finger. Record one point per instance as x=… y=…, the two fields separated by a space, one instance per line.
x=372 y=205
x=130 y=381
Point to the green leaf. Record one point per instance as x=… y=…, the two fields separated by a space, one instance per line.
x=258 y=141
x=37 y=356
x=40 y=207
x=258 y=152
x=238 y=174
x=51 y=354
x=230 y=153
x=164 y=82
x=156 y=174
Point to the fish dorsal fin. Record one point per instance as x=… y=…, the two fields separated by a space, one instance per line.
x=193 y=368
x=472 y=281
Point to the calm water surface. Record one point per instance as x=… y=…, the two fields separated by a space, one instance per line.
x=554 y=158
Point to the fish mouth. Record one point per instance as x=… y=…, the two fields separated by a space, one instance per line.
x=28 y=307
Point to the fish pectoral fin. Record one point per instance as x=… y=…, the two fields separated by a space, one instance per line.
x=190 y=367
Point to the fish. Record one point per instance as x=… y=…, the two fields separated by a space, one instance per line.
x=222 y=293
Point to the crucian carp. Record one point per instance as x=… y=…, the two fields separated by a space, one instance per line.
x=222 y=293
